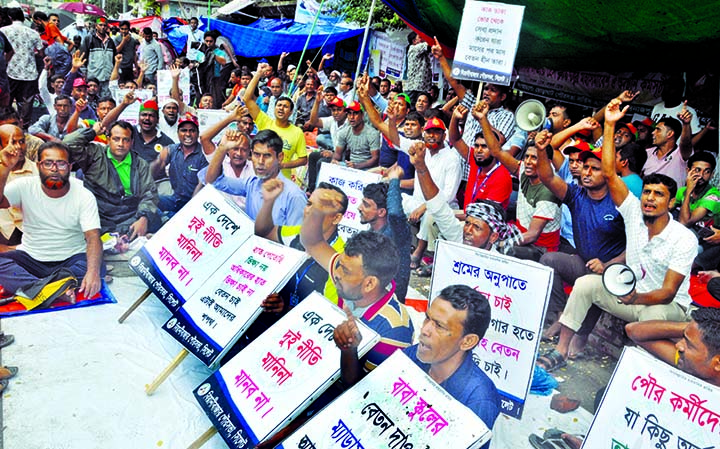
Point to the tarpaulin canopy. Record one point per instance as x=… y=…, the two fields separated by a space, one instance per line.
x=270 y=37
x=657 y=35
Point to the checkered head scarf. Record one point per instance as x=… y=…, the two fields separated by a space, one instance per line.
x=488 y=211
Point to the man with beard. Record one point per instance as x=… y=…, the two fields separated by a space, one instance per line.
x=294 y=147
x=148 y=140
x=381 y=208
x=598 y=231
x=61 y=227
x=185 y=159
x=455 y=322
x=168 y=121
x=487 y=179
x=11 y=220
x=53 y=127
x=120 y=180
x=660 y=251
x=267 y=155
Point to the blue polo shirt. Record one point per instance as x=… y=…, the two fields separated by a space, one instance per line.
x=183 y=170
x=470 y=386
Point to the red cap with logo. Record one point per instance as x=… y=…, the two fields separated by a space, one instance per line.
x=434 y=123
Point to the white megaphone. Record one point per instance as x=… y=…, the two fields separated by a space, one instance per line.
x=618 y=279
x=530 y=115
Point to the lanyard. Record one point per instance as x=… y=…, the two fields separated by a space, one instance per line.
x=482 y=184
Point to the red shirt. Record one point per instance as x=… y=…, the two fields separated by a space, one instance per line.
x=496 y=187
x=52 y=32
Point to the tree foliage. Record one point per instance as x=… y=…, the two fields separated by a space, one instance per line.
x=356 y=11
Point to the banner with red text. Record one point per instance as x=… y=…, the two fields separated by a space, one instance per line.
x=191 y=246
x=279 y=374
x=649 y=404
x=396 y=406
x=518 y=292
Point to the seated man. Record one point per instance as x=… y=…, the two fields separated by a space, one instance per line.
x=267 y=155
x=334 y=124
x=119 y=178
x=185 y=160
x=454 y=324
x=361 y=275
x=11 y=221
x=693 y=347
x=673 y=147
x=358 y=144
x=53 y=127
x=61 y=226
x=660 y=252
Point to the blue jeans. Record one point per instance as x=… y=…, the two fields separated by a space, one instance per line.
x=18 y=269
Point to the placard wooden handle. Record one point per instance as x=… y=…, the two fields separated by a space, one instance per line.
x=150 y=389
x=135 y=305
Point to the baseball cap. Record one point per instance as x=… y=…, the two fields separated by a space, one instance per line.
x=291 y=67
x=596 y=153
x=630 y=127
x=577 y=145
x=647 y=121
x=338 y=103
x=150 y=105
x=188 y=118
x=405 y=97
x=434 y=123
x=79 y=82
x=354 y=106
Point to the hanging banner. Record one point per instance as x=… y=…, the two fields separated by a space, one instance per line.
x=518 y=292
x=396 y=406
x=649 y=404
x=272 y=380
x=487 y=42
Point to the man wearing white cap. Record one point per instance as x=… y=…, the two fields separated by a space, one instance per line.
x=168 y=122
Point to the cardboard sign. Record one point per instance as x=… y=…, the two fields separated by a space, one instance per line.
x=649 y=404
x=278 y=375
x=518 y=292
x=131 y=113
x=191 y=246
x=164 y=85
x=487 y=42
x=396 y=406
x=352 y=182
x=209 y=117
x=228 y=302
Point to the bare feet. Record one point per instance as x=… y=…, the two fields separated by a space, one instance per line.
x=70 y=296
x=577 y=346
x=552 y=331
x=572 y=440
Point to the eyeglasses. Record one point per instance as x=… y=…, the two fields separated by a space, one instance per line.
x=47 y=164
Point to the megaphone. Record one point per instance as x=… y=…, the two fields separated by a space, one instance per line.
x=618 y=279
x=530 y=115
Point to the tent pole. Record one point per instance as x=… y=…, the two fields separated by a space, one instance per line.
x=364 y=42
x=307 y=42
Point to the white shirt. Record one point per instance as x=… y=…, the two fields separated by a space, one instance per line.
x=53 y=228
x=329 y=124
x=445 y=168
x=660 y=111
x=674 y=249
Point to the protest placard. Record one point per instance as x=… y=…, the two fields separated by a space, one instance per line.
x=352 y=182
x=164 y=85
x=209 y=117
x=487 y=42
x=191 y=246
x=649 y=404
x=131 y=113
x=518 y=292
x=396 y=406
x=219 y=312
x=279 y=374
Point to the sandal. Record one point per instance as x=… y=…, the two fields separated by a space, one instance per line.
x=424 y=271
x=11 y=372
x=547 y=443
x=551 y=361
x=5 y=339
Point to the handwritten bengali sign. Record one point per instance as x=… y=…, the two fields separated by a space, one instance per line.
x=396 y=406
x=276 y=377
x=209 y=117
x=650 y=404
x=131 y=113
x=164 y=85
x=487 y=42
x=352 y=182
x=218 y=313
x=191 y=246
x=518 y=292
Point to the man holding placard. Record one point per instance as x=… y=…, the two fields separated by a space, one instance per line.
x=660 y=251
x=455 y=322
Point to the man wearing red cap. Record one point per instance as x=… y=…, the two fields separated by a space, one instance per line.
x=185 y=159
x=334 y=125
x=358 y=145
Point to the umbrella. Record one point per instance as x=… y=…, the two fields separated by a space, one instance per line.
x=82 y=8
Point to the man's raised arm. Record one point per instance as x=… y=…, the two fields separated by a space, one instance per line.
x=545 y=172
x=249 y=96
x=618 y=189
x=9 y=157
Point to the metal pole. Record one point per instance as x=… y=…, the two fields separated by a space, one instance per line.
x=364 y=41
x=307 y=42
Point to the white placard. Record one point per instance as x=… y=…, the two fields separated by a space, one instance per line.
x=209 y=117
x=275 y=377
x=228 y=302
x=164 y=85
x=518 y=292
x=396 y=406
x=649 y=404
x=131 y=113
x=487 y=42
x=352 y=182
x=183 y=254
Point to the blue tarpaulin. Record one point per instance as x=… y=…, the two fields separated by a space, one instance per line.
x=270 y=37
